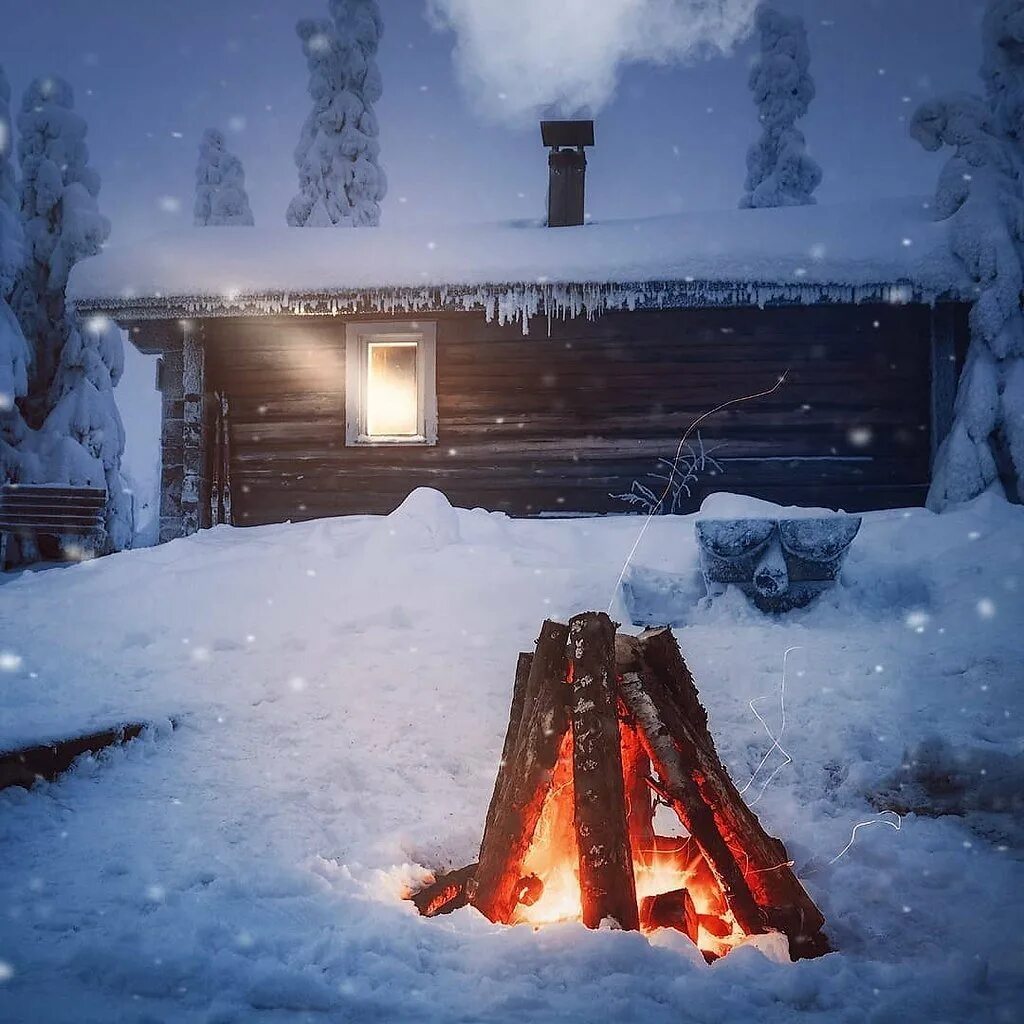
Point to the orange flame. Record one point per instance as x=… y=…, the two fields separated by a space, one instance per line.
x=670 y=865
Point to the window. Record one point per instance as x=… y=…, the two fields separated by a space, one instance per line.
x=390 y=387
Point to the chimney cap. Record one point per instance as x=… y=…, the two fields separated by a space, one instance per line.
x=567 y=133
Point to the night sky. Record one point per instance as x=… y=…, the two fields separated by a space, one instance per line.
x=150 y=76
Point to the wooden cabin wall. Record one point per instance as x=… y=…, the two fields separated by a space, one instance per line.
x=560 y=422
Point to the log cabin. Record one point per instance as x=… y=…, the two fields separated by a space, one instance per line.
x=541 y=370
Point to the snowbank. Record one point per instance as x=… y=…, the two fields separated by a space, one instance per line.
x=884 y=250
x=343 y=689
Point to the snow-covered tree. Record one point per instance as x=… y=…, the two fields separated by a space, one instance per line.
x=221 y=198
x=341 y=183
x=981 y=192
x=80 y=438
x=779 y=171
x=14 y=350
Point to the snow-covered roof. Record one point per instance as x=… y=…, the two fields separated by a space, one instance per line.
x=889 y=250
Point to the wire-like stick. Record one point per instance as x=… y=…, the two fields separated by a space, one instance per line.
x=671 y=477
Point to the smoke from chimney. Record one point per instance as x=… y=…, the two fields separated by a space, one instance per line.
x=517 y=59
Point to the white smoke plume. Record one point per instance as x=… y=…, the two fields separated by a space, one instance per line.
x=516 y=57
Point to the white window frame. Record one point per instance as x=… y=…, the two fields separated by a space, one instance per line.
x=358 y=337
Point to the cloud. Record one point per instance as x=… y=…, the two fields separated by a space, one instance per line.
x=516 y=57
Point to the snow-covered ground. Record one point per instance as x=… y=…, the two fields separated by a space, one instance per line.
x=342 y=688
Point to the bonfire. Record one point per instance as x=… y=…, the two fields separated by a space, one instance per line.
x=603 y=728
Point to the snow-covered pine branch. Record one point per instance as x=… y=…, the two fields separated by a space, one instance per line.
x=981 y=191
x=80 y=438
x=779 y=171
x=14 y=350
x=341 y=183
x=221 y=199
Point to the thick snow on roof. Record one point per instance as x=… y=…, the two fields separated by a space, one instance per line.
x=856 y=246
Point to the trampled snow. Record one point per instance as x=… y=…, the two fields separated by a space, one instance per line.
x=884 y=249
x=342 y=690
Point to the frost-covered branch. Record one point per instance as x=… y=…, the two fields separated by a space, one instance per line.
x=221 y=199
x=14 y=350
x=672 y=484
x=80 y=438
x=779 y=171
x=341 y=183
x=981 y=192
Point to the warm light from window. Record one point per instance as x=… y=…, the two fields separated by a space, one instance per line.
x=392 y=407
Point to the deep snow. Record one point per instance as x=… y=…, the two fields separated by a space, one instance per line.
x=342 y=688
x=849 y=244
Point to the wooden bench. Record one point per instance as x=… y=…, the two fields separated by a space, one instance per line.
x=33 y=510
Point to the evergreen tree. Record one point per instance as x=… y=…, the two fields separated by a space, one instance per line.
x=80 y=437
x=221 y=199
x=779 y=171
x=341 y=183
x=14 y=350
x=981 y=192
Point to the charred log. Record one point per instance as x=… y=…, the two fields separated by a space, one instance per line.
x=446 y=893
x=670 y=910
x=766 y=867
x=524 y=777
x=607 y=886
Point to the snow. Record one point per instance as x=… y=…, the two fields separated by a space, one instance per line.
x=341 y=183
x=888 y=249
x=221 y=198
x=341 y=689
x=779 y=171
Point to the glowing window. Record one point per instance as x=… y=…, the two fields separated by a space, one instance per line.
x=390 y=389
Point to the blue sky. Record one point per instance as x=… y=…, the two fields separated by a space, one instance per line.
x=150 y=76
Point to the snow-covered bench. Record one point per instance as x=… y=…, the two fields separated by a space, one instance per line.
x=33 y=510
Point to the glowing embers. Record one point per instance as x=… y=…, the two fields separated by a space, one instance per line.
x=600 y=727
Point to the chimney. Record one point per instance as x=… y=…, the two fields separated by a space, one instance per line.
x=567 y=166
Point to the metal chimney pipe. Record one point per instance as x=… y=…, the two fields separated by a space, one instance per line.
x=567 y=169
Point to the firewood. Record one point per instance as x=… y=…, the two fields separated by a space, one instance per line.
x=636 y=766
x=765 y=864
x=446 y=893
x=607 y=886
x=658 y=723
x=673 y=909
x=515 y=724
x=524 y=778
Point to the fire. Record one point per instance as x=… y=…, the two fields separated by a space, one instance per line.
x=673 y=864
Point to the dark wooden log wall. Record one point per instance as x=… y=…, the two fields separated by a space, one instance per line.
x=558 y=423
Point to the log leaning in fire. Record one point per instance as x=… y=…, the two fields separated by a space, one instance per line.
x=636 y=767
x=658 y=727
x=446 y=893
x=515 y=724
x=524 y=778
x=607 y=886
x=766 y=866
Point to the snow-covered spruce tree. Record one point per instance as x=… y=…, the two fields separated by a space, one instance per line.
x=14 y=350
x=981 y=193
x=221 y=199
x=341 y=183
x=779 y=171
x=80 y=437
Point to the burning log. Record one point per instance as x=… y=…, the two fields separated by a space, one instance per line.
x=671 y=910
x=447 y=892
x=668 y=688
x=524 y=777
x=607 y=886
x=569 y=831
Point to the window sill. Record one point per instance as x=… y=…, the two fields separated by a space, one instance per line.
x=418 y=441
